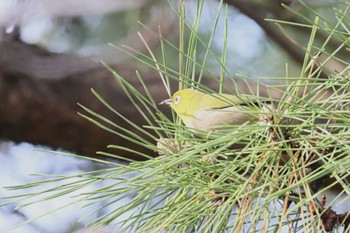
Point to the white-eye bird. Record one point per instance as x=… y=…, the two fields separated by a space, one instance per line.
x=206 y=112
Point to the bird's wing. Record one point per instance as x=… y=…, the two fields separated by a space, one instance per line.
x=226 y=100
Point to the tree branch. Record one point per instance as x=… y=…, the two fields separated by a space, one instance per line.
x=258 y=13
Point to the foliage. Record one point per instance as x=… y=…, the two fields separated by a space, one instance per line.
x=265 y=177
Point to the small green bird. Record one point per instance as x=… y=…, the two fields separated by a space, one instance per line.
x=207 y=112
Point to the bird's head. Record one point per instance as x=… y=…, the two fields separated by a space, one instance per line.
x=185 y=101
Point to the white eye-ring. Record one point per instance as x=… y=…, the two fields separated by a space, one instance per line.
x=177 y=99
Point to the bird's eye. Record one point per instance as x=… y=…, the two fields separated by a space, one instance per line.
x=177 y=99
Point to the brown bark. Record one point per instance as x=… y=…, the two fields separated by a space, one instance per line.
x=39 y=92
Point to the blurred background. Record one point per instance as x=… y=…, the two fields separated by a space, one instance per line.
x=50 y=53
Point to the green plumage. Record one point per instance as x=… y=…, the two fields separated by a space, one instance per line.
x=206 y=112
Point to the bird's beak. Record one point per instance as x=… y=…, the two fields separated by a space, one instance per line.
x=167 y=101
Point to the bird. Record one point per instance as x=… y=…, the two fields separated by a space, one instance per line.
x=207 y=112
